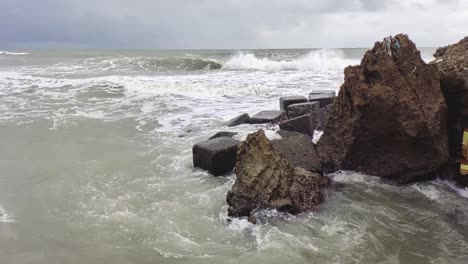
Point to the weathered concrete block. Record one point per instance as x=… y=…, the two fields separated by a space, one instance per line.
x=223 y=134
x=300 y=151
x=301 y=109
x=324 y=97
x=318 y=119
x=238 y=120
x=218 y=156
x=269 y=116
x=286 y=101
x=301 y=124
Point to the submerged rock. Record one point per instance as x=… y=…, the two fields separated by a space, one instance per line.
x=265 y=179
x=218 y=155
x=389 y=119
x=452 y=64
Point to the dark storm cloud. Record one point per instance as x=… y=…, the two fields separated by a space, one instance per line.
x=226 y=23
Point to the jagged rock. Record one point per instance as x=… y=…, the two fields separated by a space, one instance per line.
x=452 y=64
x=389 y=119
x=223 y=134
x=286 y=101
x=299 y=151
x=301 y=124
x=265 y=179
x=319 y=118
x=301 y=109
x=218 y=156
x=269 y=116
x=239 y=120
x=324 y=97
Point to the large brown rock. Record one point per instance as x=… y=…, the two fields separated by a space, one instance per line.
x=452 y=64
x=389 y=118
x=265 y=179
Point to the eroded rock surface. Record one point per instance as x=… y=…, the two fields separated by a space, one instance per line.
x=389 y=118
x=265 y=179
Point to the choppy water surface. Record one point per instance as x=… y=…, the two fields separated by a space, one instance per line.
x=96 y=166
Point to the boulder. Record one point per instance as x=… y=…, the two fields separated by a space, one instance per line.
x=286 y=101
x=452 y=64
x=389 y=118
x=299 y=151
x=218 y=156
x=286 y=134
x=319 y=118
x=301 y=124
x=266 y=180
x=301 y=109
x=223 y=134
x=324 y=97
x=269 y=116
x=238 y=120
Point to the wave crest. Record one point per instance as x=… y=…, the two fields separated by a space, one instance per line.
x=13 y=53
x=316 y=60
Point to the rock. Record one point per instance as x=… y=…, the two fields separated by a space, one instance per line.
x=324 y=97
x=301 y=124
x=218 y=156
x=265 y=179
x=299 y=151
x=238 y=120
x=223 y=134
x=301 y=109
x=286 y=134
x=286 y=101
x=269 y=116
x=452 y=64
x=319 y=118
x=389 y=118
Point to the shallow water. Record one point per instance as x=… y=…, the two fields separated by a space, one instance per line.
x=96 y=166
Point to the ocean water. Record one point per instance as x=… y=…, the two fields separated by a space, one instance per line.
x=96 y=165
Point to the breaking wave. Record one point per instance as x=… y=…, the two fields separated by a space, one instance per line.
x=150 y=64
x=316 y=60
x=13 y=53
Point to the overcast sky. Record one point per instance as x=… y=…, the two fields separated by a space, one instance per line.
x=227 y=23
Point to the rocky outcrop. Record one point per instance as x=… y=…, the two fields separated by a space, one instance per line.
x=265 y=179
x=452 y=64
x=389 y=118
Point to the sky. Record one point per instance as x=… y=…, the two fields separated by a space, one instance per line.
x=209 y=24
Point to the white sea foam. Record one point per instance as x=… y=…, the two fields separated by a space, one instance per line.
x=5 y=217
x=427 y=190
x=316 y=60
x=351 y=176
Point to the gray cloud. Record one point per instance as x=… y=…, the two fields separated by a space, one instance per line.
x=227 y=23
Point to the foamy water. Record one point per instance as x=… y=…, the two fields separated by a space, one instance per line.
x=97 y=166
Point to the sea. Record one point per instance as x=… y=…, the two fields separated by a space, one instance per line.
x=96 y=165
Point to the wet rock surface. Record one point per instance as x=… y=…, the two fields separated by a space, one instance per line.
x=301 y=124
x=452 y=64
x=269 y=116
x=218 y=155
x=223 y=134
x=323 y=97
x=389 y=119
x=266 y=180
x=286 y=101
x=238 y=120
x=301 y=109
x=299 y=151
